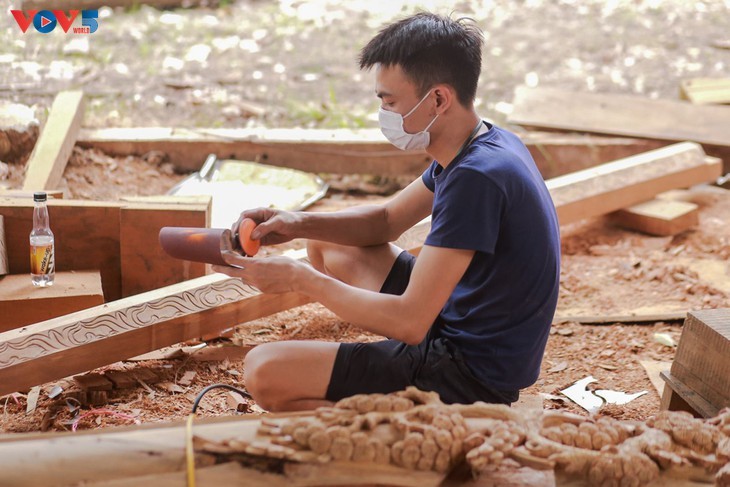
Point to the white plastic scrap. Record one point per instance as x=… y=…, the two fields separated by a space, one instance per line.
x=579 y=394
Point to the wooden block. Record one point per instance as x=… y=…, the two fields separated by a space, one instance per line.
x=94 y=382
x=45 y=167
x=660 y=217
x=4 y=268
x=702 y=361
x=705 y=90
x=22 y=304
x=122 y=379
x=626 y=182
x=145 y=266
x=627 y=115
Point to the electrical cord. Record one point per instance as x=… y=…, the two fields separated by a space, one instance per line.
x=218 y=386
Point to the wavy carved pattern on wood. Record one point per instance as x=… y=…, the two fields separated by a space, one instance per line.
x=85 y=331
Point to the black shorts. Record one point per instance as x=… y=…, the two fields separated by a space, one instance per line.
x=390 y=365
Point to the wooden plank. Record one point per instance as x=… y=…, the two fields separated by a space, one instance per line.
x=627 y=115
x=145 y=266
x=22 y=304
x=702 y=91
x=660 y=217
x=327 y=151
x=616 y=185
x=86 y=237
x=45 y=167
x=566 y=316
x=678 y=397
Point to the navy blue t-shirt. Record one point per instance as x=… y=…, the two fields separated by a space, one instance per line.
x=493 y=200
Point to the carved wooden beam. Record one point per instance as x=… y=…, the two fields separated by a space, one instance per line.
x=131 y=326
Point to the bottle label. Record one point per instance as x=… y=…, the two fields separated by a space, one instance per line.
x=41 y=259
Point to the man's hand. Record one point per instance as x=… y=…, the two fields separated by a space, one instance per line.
x=272 y=226
x=269 y=275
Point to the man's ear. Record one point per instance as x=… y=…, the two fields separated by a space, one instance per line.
x=445 y=96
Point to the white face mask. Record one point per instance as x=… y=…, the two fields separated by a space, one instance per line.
x=391 y=124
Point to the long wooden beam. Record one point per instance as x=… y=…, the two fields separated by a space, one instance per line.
x=146 y=322
x=624 y=115
x=154 y=454
x=342 y=151
x=322 y=151
x=22 y=304
x=45 y=167
x=128 y=327
x=620 y=184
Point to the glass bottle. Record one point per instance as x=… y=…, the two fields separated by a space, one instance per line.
x=42 y=251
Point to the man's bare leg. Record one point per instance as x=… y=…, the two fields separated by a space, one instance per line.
x=291 y=375
x=363 y=267
x=295 y=375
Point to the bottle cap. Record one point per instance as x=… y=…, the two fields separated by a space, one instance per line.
x=39 y=196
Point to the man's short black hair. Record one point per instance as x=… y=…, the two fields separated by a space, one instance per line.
x=430 y=49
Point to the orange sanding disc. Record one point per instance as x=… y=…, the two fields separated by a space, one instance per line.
x=249 y=245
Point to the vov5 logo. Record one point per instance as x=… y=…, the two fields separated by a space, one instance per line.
x=45 y=21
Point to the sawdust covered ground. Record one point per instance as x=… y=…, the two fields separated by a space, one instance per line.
x=606 y=270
